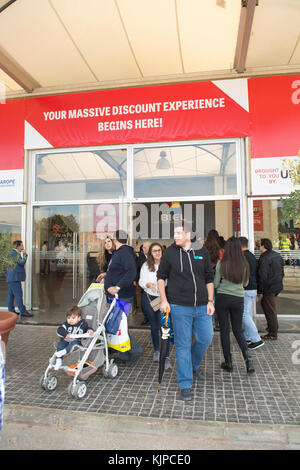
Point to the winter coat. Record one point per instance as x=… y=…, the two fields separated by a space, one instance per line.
x=270 y=273
x=122 y=271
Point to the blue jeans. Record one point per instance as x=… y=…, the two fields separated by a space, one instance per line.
x=155 y=323
x=189 y=320
x=15 y=292
x=250 y=330
x=67 y=345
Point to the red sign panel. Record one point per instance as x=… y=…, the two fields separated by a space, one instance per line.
x=275 y=116
x=148 y=114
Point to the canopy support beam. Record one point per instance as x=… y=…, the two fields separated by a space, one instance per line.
x=245 y=26
x=16 y=72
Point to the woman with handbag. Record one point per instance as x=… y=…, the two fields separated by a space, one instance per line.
x=148 y=282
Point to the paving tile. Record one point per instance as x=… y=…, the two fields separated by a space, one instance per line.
x=270 y=396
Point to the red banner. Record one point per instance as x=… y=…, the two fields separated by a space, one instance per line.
x=148 y=114
x=188 y=111
x=275 y=116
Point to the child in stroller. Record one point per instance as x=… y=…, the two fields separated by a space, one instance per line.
x=73 y=325
x=90 y=347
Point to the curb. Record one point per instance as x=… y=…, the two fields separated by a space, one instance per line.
x=227 y=432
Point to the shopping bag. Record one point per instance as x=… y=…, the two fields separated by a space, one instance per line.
x=120 y=341
x=113 y=320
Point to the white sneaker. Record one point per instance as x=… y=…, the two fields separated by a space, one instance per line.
x=168 y=364
x=156 y=356
x=58 y=363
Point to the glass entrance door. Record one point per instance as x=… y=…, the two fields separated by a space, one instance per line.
x=66 y=240
x=285 y=239
x=55 y=261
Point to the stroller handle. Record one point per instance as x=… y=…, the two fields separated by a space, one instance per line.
x=83 y=335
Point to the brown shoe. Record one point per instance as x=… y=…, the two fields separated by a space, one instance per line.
x=268 y=336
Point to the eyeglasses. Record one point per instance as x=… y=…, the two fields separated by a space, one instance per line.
x=156 y=251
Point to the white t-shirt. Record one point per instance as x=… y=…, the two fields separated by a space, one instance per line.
x=148 y=276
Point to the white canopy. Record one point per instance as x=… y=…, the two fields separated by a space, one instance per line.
x=52 y=46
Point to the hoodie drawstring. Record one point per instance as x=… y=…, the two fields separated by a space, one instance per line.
x=181 y=264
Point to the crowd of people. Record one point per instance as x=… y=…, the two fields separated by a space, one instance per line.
x=197 y=282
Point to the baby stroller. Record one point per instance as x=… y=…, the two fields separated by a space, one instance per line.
x=93 y=352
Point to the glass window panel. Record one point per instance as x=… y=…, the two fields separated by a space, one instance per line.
x=66 y=241
x=286 y=241
x=10 y=221
x=97 y=174
x=155 y=221
x=187 y=170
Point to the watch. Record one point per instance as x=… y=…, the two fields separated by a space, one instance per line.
x=210 y=301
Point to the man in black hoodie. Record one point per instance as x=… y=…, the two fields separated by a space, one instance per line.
x=270 y=274
x=190 y=297
x=119 y=280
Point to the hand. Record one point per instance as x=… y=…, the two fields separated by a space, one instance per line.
x=90 y=332
x=151 y=286
x=113 y=290
x=210 y=309
x=68 y=336
x=164 y=306
x=101 y=277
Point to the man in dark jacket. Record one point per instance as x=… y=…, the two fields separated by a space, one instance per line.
x=15 y=277
x=189 y=294
x=270 y=274
x=119 y=280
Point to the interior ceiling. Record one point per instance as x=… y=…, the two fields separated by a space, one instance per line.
x=51 y=46
x=188 y=160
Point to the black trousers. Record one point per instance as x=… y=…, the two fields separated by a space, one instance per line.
x=268 y=304
x=230 y=309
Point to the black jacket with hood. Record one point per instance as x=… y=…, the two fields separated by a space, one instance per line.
x=270 y=273
x=122 y=271
x=187 y=272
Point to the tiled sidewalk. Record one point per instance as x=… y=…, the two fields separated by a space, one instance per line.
x=270 y=396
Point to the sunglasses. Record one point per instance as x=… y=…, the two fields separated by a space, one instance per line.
x=156 y=251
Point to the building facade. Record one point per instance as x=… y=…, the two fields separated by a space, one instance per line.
x=74 y=167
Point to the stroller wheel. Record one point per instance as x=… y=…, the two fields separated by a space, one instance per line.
x=112 y=371
x=79 y=391
x=49 y=383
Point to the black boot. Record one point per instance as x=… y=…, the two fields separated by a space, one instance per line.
x=227 y=365
x=249 y=364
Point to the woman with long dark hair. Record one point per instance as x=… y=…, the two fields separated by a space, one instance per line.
x=232 y=274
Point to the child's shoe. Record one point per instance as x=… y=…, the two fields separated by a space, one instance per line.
x=58 y=363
